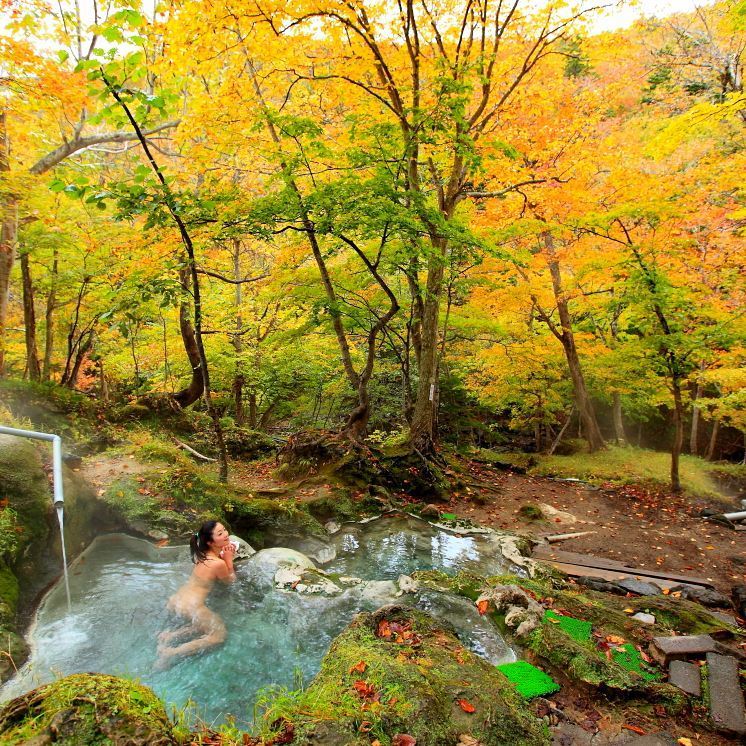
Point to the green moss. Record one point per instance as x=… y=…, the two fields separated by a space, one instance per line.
x=258 y=515
x=682 y=616
x=623 y=465
x=530 y=512
x=87 y=710
x=9 y=590
x=13 y=652
x=341 y=506
x=25 y=487
x=628 y=656
x=462 y=584
x=529 y=681
x=577 y=629
x=408 y=684
x=124 y=497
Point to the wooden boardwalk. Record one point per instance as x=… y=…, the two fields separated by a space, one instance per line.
x=577 y=565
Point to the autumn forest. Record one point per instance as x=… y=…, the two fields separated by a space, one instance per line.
x=412 y=222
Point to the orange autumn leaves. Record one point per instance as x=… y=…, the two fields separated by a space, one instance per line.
x=400 y=634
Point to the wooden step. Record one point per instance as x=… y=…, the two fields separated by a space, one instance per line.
x=589 y=561
x=576 y=571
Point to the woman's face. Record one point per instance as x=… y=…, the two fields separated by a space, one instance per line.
x=219 y=536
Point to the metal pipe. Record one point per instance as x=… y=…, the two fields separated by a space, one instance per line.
x=735 y=516
x=58 y=496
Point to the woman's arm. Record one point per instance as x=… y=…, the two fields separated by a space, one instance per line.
x=224 y=567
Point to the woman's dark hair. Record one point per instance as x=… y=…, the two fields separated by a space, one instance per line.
x=199 y=543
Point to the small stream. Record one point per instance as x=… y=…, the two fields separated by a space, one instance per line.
x=119 y=586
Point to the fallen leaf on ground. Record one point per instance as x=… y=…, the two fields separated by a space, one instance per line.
x=615 y=639
x=634 y=729
x=466 y=740
x=403 y=739
x=684 y=741
x=482 y=606
x=384 y=629
x=359 y=667
x=364 y=689
x=465 y=705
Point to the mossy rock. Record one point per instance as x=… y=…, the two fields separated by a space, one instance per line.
x=253 y=517
x=26 y=488
x=15 y=652
x=580 y=660
x=240 y=442
x=86 y=710
x=418 y=680
x=9 y=592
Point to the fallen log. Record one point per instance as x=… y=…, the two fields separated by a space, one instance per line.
x=194 y=453
x=562 y=537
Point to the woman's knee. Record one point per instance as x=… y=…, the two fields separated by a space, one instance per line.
x=216 y=636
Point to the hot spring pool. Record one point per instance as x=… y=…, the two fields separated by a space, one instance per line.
x=119 y=586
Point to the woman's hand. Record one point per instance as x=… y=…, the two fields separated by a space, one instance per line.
x=228 y=551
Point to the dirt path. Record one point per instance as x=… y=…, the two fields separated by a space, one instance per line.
x=630 y=525
x=102 y=470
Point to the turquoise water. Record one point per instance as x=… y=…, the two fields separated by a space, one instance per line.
x=120 y=584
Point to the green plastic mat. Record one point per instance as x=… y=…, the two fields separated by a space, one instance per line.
x=575 y=628
x=529 y=681
x=628 y=656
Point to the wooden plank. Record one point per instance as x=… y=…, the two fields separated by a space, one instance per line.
x=589 y=560
x=596 y=572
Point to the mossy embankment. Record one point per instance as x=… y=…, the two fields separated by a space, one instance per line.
x=399 y=671
x=29 y=534
x=159 y=490
x=624 y=465
x=612 y=657
x=87 y=710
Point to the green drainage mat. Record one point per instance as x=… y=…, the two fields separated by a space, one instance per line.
x=628 y=656
x=575 y=628
x=529 y=681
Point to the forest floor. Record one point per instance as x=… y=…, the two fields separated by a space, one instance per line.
x=638 y=526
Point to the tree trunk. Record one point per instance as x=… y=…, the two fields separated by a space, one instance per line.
x=558 y=439
x=583 y=402
x=693 y=435
x=8 y=240
x=252 y=410
x=49 y=321
x=415 y=323
x=196 y=387
x=83 y=347
x=423 y=434
x=29 y=319
x=678 y=434
x=713 y=440
x=237 y=340
x=103 y=384
x=619 y=434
